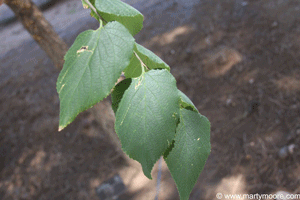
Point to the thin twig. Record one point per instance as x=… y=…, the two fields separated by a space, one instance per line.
x=136 y=55
x=94 y=9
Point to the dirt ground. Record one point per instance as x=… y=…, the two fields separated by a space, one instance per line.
x=238 y=61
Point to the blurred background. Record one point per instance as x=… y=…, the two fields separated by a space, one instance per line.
x=237 y=60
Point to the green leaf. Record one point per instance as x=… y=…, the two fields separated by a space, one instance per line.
x=118 y=93
x=92 y=67
x=169 y=149
x=134 y=69
x=116 y=10
x=190 y=152
x=186 y=103
x=146 y=117
x=150 y=59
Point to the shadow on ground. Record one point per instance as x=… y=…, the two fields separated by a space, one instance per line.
x=237 y=60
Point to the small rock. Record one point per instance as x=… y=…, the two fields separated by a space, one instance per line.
x=251 y=81
x=228 y=101
x=172 y=51
x=291 y=148
x=283 y=152
x=274 y=24
x=111 y=189
x=245 y=3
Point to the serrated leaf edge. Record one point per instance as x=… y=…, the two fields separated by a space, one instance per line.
x=61 y=127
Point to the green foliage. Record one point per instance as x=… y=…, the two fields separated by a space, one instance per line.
x=117 y=94
x=149 y=59
x=190 y=152
x=116 y=10
x=92 y=66
x=146 y=117
x=153 y=118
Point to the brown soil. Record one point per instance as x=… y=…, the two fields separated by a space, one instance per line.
x=238 y=61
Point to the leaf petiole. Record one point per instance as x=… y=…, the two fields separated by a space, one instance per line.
x=144 y=66
x=95 y=10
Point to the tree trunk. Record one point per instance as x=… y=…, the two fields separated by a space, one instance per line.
x=42 y=31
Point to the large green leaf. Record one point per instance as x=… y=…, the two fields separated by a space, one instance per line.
x=92 y=67
x=146 y=117
x=116 y=10
x=190 y=152
x=151 y=60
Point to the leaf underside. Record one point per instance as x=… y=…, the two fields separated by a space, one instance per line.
x=118 y=93
x=92 y=66
x=186 y=103
x=151 y=60
x=146 y=117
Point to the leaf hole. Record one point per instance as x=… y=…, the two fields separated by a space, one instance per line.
x=187 y=106
x=169 y=149
x=191 y=108
x=84 y=48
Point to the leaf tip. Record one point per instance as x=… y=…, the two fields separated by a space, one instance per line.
x=147 y=173
x=60 y=128
x=149 y=176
